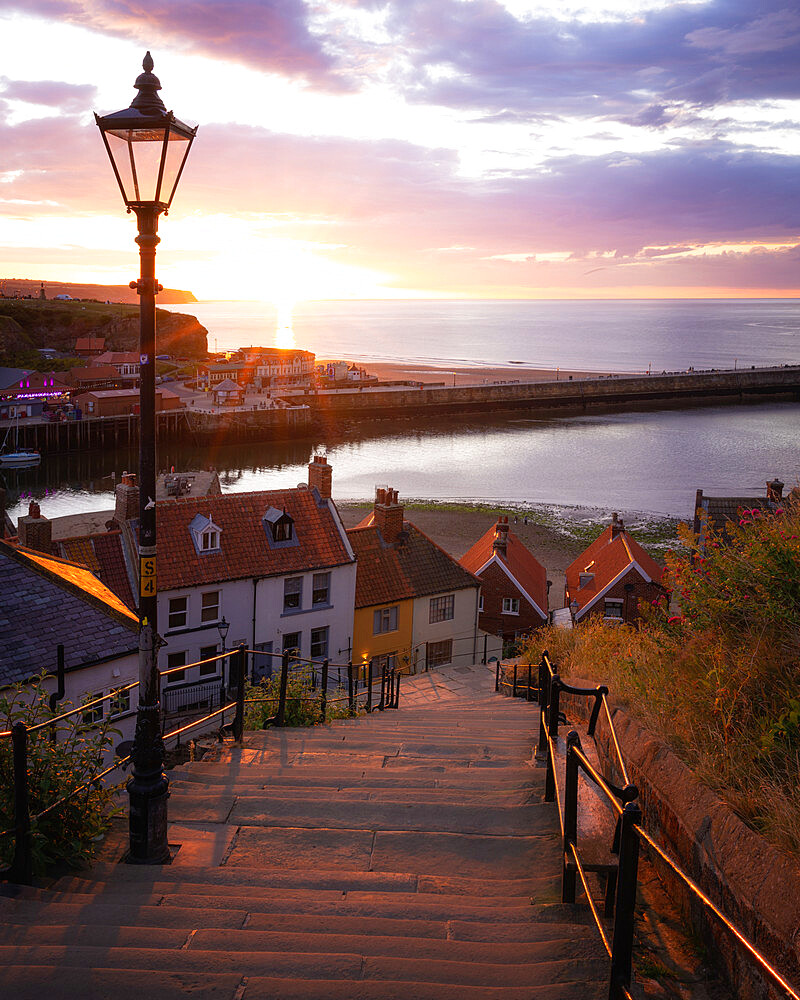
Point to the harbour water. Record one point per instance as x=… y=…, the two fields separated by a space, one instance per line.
x=652 y=461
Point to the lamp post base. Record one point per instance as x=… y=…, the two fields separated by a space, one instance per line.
x=148 y=791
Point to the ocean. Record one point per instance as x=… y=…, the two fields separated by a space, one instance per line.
x=640 y=461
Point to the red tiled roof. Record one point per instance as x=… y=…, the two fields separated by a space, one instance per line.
x=517 y=559
x=80 y=374
x=414 y=567
x=90 y=343
x=103 y=555
x=115 y=358
x=244 y=549
x=606 y=558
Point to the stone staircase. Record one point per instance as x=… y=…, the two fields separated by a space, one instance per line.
x=403 y=856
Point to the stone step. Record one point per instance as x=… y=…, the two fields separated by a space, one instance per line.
x=312 y=965
x=520 y=776
x=133 y=984
x=268 y=791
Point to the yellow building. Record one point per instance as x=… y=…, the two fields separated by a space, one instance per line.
x=401 y=573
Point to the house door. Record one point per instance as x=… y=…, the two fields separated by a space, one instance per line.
x=262 y=662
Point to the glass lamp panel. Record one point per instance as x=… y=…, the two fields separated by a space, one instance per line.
x=121 y=155
x=177 y=148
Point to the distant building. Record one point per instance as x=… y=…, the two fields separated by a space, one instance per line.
x=513 y=583
x=90 y=347
x=120 y=402
x=27 y=393
x=611 y=578
x=125 y=362
x=263 y=368
x=716 y=513
x=416 y=607
x=93 y=377
x=228 y=393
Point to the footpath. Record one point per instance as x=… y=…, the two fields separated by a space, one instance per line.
x=403 y=855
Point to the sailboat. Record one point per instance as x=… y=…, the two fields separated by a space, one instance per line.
x=18 y=458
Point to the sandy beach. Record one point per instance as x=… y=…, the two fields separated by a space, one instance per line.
x=467 y=374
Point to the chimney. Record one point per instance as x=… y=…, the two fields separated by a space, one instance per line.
x=617 y=526
x=775 y=491
x=388 y=514
x=127 y=503
x=320 y=476
x=35 y=531
x=500 y=543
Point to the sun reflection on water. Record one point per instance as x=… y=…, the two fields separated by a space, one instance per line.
x=284 y=331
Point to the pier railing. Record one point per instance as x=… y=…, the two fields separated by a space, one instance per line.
x=374 y=690
x=569 y=762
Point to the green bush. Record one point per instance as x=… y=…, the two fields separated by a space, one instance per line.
x=68 y=834
x=303 y=706
x=718 y=676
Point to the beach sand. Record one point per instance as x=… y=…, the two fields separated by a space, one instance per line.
x=457 y=530
x=468 y=375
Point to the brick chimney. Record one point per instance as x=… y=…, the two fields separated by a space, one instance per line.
x=617 y=525
x=388 y=514
x=127 y=503
x=775 y=490
x=320 y=476
x=35 y=531
x=500 y=543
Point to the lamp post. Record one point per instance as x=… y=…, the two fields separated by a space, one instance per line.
x=147 y=146
x=222 y=628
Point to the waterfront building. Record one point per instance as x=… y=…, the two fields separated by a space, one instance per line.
x=119 y=402
x=513 y=583
x=26 y=393
x=415 y=606
x=88 y=379
x=262 y=368
x=125 y=362
x=611 y=578
x=46 y=602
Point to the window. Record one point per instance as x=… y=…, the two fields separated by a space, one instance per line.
x=209 y=607
x=205 y=534
x=442 y=609
x=282 y=531
x=293 y=593
x=319 y=643
x=291 y=641
x=177 y=612
x=480 y=603
x=209 y=669
x=95 y=713
x=278 y=525
x=440 y=653
x=176 y=660
x=120 y=702
x=510 y=605
x=384 y=620
x=613 y=608
x=321 y=586
x=209 y=540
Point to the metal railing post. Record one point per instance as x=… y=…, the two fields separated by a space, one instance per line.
x=552 y=730
x=323 y=698
x=627 y=880
x=382 y=702
x=598 y=701
x=514 y=687
x=497 y=676
x=541 y=746
x=568 y=872
x=369 y=687
x=281 y=716
x=397 y=691
x=238 y=720
x=22 y=866
x=528 y=698
x=350 y=686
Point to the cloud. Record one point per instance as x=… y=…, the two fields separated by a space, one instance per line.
x=68 y=97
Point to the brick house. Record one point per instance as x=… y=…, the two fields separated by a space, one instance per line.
x=415 y=606
x=513 y=583
x=611 y=578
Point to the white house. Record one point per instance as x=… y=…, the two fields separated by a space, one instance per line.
x=276 y=566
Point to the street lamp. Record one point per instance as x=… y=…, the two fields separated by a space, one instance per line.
x=222 y=628
x=147 y=146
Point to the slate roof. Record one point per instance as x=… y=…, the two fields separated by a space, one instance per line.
x=606 y=558
x=45 y=601
x=104 y=556
x=722 y=510
x=411 y=567
x=520 y=562
x=8 y=376
x=244 y=549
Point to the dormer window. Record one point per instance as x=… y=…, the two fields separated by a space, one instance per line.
x=205 y=534
x=279 y=527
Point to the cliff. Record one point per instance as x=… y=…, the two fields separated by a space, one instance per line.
x=26 y=324
x=13 y=287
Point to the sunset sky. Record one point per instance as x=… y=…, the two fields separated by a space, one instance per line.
x=400 y=148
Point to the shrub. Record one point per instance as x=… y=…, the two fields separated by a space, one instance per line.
x=69 y=833
x=303 y=706
x=719 y=679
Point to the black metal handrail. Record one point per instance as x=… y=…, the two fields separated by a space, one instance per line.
x=629 y=834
